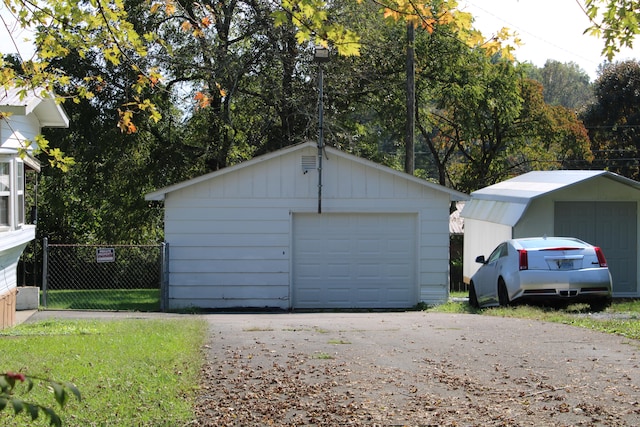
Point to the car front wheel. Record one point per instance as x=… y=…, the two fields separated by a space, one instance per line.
x=503 y=295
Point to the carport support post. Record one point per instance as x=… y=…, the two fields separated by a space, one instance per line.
x=321 y=55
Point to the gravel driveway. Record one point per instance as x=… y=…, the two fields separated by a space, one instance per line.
x=415 y=368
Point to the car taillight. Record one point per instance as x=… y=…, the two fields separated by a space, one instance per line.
x=601 y=259
x=524 y=259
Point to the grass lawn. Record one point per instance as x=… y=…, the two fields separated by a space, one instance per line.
x=133 y=372
x=104 y=299
x=621 y=318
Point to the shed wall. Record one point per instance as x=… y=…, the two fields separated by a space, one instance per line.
x=539 y=218
x=230 y=237
x=480 y=238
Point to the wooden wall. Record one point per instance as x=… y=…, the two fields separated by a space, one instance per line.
x=8 y=309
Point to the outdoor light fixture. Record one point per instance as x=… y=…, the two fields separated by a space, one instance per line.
x=321 y=54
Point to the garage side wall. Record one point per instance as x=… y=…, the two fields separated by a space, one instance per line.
x=230 y=237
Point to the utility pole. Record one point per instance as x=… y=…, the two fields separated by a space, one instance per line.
x=321 y=55
x=409 y=160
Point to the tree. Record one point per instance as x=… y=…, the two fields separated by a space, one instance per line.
x=613 y=121
x=616 y=21
x=103 y=194
x=556 y=138
x=441 y=82
x=486 y=122
x=365 y=94
x=564 y=84
x=211 y=32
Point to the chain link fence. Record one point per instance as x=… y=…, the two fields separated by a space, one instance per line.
x=104 y=277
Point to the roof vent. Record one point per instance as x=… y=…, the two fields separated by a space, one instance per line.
x=308 y=163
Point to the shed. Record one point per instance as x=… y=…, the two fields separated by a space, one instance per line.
x=263 y=233
x=599 y=207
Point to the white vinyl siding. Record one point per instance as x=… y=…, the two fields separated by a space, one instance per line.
x=228 y=257
x=231 y=234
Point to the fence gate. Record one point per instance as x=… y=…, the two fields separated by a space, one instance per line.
x=104 y=277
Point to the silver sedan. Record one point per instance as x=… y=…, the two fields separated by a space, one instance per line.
x=560 y=270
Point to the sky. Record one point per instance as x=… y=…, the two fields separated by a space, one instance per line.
x=549 y=29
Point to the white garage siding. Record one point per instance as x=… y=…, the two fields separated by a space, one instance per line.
x=232 y=234
x=354 y=260
x=240 y=259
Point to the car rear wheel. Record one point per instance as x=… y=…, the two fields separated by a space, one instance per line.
x=600 y=304
x=473 y=298
x=503 y=295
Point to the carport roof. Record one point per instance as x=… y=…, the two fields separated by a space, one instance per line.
x=506 y=201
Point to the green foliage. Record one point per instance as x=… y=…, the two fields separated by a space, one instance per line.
x=616 y=21
x=131 y=372
x=564 y=84
x=236 y=83
x=613 y=119
x=10 y=396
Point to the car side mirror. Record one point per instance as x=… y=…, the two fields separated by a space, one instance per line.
x=480 y=259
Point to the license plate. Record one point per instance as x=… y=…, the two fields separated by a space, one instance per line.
x=565 y=265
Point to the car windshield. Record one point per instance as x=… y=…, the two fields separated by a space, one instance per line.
x=551 y=243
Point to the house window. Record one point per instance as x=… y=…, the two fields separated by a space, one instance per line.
x=12 y=194
x=20 y=192
x=5 y=194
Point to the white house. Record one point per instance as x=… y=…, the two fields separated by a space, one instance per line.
x=596 y=206
x=23 y=117
x=263 y=233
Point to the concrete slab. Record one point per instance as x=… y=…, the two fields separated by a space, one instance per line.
x=24 y=315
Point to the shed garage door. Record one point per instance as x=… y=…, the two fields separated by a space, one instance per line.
x=354 y=260
x=610 y=225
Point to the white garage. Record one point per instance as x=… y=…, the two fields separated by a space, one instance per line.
x=264 y=234
x=599 y=207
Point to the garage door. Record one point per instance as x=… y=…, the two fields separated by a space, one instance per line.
x=610 y=225
x=354 y=260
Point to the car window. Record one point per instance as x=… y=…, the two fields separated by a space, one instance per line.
x=505 y=250
x=551 y=243
x=498 y=252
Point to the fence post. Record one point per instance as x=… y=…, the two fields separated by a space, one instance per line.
x=164 y=277
x=45 y=268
